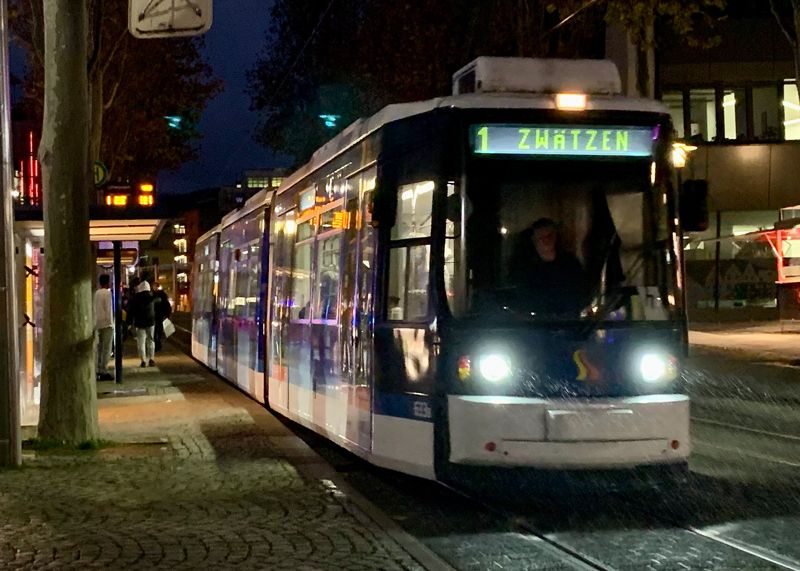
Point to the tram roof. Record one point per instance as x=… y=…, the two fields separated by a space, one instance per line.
x=361 y=128
x=262 y=198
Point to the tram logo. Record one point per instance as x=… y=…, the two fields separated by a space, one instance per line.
x=586 y=370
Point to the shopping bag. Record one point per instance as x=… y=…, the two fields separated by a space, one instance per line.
x=169 y=327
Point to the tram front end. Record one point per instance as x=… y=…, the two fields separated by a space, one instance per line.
x=564 y=335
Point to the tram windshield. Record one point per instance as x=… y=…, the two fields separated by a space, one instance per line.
x=568 y=240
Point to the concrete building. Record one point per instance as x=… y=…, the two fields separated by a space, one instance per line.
x=738 y=103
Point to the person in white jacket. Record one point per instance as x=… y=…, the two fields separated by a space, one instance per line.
x=104 y=325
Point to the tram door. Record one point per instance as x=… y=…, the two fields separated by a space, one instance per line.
x=284 y=228
x=358 y=279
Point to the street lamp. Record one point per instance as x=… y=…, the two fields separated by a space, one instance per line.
x=680 y=154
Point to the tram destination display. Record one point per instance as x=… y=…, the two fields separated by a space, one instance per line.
x=562 y=140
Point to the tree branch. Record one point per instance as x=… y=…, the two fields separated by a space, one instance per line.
x=778 y=18
x=37 y=31
x=115 y=88
x=121 y=39
x=97 y=36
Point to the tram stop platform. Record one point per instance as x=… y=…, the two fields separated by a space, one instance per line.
x=196 y=476
x=759 y=342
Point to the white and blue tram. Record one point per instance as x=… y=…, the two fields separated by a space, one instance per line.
x=392 y=295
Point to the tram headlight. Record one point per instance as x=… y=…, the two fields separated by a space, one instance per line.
x=657 y=367
x=494 y=367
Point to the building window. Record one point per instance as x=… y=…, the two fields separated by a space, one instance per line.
x=734 y=112
x=179 y=229
x=674 y=102
x=180 y=245
x=277 y=181
x=702 y=114
x=791 y=112
x=258 y=182
x=182 y=278
x=766 y=113
x=181 y=259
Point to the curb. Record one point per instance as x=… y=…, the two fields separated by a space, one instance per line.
x=319 y=469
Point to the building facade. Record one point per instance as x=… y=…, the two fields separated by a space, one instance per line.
x=738 y=103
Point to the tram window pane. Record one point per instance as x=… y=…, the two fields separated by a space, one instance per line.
x=735 y=112
x=674 y=102
x=452 y=251
x=327 y=303
x=703 y=114
x=791 y=112
x=765 y=113
x=414 y=207
x=301 y=282
x=408 y=283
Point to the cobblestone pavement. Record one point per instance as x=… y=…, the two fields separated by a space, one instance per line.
x=204 y=479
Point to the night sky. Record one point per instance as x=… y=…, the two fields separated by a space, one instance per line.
x=236 y=37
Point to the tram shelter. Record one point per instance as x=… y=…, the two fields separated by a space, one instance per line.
x=116 y=235
x=783 y=241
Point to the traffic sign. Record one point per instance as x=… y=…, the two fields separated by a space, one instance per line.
x=100 y=173
x=168 y=18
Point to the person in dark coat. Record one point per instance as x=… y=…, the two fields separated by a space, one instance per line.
x=163 y=311
x=142 y=316
x=553 y=280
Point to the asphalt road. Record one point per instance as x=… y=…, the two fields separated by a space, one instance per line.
x=739 y=509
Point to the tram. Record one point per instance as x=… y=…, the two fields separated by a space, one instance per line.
x=487 y=279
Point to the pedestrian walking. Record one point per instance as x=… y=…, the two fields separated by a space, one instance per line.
x=142 y=316
x=163 y=311
x=104 y=326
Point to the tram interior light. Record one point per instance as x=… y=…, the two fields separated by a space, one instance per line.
x=494 y=367
x=657 y=367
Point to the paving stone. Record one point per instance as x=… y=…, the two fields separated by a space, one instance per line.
x=224 y=497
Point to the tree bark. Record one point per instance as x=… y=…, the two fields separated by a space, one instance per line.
x=69 y=398
x=96 y=107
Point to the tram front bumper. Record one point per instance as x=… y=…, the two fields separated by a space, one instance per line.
x=579 y=433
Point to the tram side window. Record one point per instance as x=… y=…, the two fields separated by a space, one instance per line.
x=327 y=288
x=414 y=208
x=301 y=272
x=408 y=283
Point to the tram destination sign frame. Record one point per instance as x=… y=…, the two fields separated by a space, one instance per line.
x=562 y=140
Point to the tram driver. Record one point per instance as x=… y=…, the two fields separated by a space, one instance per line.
x=551 y=279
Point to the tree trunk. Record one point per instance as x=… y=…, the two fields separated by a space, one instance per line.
x=96 y=103
x=69 y=398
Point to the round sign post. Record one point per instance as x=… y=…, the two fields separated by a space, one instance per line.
x=100 y=173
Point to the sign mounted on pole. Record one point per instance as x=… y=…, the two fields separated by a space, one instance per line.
x=100 y=172
x=168 y=18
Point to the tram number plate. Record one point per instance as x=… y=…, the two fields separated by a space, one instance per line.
x=422 y=409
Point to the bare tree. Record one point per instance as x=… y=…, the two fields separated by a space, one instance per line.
x=787 y=13
x=69 y=400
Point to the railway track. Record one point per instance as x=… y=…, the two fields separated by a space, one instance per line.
x=656 y=541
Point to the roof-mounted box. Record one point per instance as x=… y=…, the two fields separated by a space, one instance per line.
x=529 y=75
